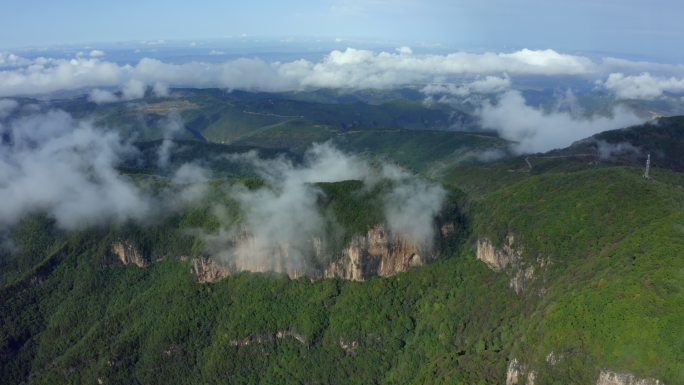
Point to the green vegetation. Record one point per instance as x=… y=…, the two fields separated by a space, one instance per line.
x=610 y=293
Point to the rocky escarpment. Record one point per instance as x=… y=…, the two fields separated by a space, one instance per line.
x=509 y=259
x=208 y=270
x=128 y=253
x=519 y=374
x=607 y=377
x=377 y=253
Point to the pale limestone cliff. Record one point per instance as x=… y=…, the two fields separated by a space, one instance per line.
x=251 y=254
x=376 y=253
x=127 y=253
x=498 y=259
x=607 y=377
x=518 y=374
x=509 y=259
x=208 y=270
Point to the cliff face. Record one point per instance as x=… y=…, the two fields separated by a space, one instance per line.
x=509 y=259
x=612 y=378
x=498 y=259
x=127 y=253
x=517 y=374
x=208 y=270
x=377 y=253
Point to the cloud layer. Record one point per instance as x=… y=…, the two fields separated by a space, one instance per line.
x=350 y=68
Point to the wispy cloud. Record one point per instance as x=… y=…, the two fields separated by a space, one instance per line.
x=535 y=130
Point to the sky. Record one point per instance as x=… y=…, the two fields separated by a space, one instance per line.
x=646 y=29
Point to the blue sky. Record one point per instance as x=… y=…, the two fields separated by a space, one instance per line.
x=649 y=29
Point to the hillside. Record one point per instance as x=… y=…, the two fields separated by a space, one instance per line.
x=555 y=268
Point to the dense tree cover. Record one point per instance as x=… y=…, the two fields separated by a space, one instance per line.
x=612 y=298
x=610 y=295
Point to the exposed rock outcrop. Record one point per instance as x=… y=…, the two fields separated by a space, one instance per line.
x=607 y=377
x=349 y=347
x=377 y=253
x=208 y=270
x=128 y=253
x=498 y=259
x=517 y=374
x=509 y=259
x=269 y=338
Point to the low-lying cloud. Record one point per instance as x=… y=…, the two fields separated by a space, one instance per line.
x=282 y=222
x=52 y=163
x=642 y=86
x=535 y=130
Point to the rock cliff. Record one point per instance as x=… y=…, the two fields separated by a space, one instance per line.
x=375 y=253
x=128 y=253
x=518 y=374
x=509 y=259
x=208 y=270
x=607 y=377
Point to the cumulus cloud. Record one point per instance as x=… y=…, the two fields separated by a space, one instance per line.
x=8 y=59
x=643 y=86
x=282 y=221
x=534 y=130
x=96 y=53
x=351 y=68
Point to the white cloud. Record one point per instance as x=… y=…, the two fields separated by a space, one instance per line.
x=643 y=86
x=133 y=89
x=487 y=85
x=8 y=59
x=534 y=130
x=67 y=169
x=351 y=68
x=283 y=217
x=214 y=52
x=102 y=96
x=96 y=53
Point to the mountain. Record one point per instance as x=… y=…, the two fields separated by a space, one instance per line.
x=554 y=268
